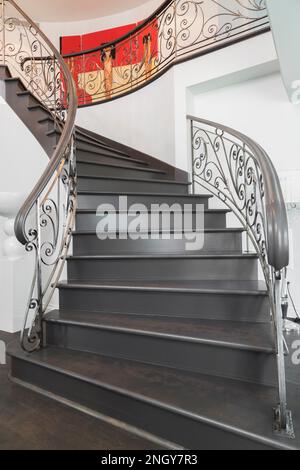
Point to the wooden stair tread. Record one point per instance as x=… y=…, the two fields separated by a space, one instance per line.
x=222 y=287
x=232 y=334
x=239 y=407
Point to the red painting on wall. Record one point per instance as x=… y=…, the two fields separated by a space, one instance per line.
x=107 y=71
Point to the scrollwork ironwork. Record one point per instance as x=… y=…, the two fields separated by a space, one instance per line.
x=239 y=173
x=227 y=168
x=179 y=30
x=44 y=223
x=49 y=242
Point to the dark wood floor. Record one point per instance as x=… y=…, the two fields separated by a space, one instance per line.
x=30 y=421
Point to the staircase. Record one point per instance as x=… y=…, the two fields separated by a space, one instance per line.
x=179 y=345
x=175 y=344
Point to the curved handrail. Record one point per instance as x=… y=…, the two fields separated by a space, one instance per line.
x=45 y=221
x=125 y=36
x=277 y=221
x=64 y=140
x=177 y=31
x=238 y=171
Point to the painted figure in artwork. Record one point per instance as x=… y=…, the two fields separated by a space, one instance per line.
x=76 y=70
x=108 y=54
x=148 y=60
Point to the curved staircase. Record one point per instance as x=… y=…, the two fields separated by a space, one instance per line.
x=179 y=345
x=176 y=344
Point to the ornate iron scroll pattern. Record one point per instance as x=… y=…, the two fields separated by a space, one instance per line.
x=21 y=49
x=44 y=223
x=49 y=243
x=180 y=29
x=227 y=168
x=239 y=173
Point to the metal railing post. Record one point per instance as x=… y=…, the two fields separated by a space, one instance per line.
x=192 y=158
x=283 y=417
x=39 y=281
x=211 y=143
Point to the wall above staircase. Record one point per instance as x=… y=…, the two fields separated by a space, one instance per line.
x=65 y=28
x=164 y=103
x=284 y=17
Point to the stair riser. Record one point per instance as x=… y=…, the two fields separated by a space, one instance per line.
x=213 y=242
x=47 y=142
x=31 y=118
x=160 y=421
x=83 y=139
x=14 y=87
x=17 y=103
x=27 y=100
x=89 y=221
x=111 y=185
x=38 y=114
x=211 y=306
x=166 y=269
x=252 y=366
x=92 y=201
x=109 y=158
x=47 y=126
x=98 y=170
x=90 y=146
x=87 y=141
x=4 y=72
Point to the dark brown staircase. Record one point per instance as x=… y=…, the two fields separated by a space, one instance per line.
x=175 y=343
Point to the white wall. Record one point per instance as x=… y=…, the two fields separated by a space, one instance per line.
x=287 y=42
x=260 y=109
x=139 y=118
x=294 y=269
x=238 y=85
x=55 y=30
x=143 y=120
x=238 y=62
x=153 y=119
x=22 y=157
x=22 y=162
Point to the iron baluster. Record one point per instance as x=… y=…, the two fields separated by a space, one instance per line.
x=238 y=171
x=185 y=29
x=44 y=222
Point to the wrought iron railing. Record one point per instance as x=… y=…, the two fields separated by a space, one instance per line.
x=225 y=162
x=238 y=171
x=44 y=223
x=177 y=31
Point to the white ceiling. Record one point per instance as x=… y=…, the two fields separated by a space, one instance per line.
x=75 y=10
